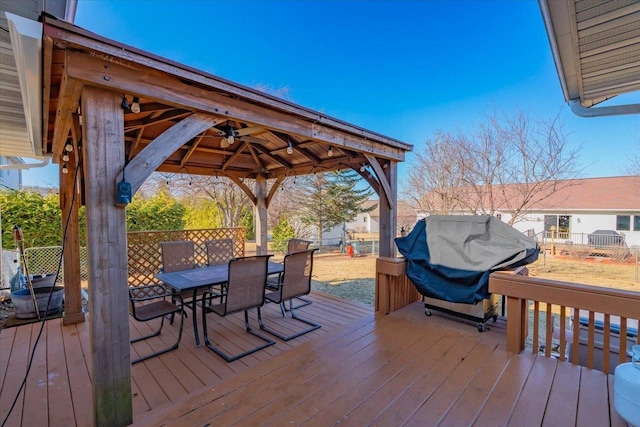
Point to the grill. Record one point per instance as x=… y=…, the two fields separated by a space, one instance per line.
x=450 y=257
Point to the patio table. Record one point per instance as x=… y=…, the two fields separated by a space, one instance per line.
x=197 y=278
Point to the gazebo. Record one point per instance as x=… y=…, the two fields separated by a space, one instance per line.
x=113 y=114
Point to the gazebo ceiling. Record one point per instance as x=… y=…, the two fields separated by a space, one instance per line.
x=272 y=138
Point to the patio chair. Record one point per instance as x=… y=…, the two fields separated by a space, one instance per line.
x=296 y=281
x=295 y=246
x=150 y=302
x=177 y=256
x=243 y=291
x=219 y=251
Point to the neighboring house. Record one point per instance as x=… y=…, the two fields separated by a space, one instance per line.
x=10 y=178
x=368 y=222
x=584 y=206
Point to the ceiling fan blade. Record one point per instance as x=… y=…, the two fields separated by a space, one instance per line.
x=251 y=130
x=254 y=140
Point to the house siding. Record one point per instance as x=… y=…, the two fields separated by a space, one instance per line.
x=581 y=225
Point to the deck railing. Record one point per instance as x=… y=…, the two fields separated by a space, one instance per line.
x=394 y=290
x=595 y=325
x=586 y=325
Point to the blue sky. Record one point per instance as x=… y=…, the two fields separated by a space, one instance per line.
x=401 y=68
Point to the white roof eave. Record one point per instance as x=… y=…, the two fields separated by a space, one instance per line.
x=26 y=41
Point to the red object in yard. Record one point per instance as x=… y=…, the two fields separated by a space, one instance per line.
x=350 y=251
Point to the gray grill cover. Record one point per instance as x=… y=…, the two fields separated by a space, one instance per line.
x=450 y=257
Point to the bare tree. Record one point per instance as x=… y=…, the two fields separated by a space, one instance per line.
x=406 y=216
x=285 y=204
x=508 y=164
x=231 y=201
x=633 y=165
x=435 y=176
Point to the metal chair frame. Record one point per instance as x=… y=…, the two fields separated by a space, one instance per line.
x=296 y=281
x=153 y=310
x=295 y=246
x=243 y=291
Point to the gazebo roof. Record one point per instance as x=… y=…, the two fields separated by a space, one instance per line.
x=273 y=138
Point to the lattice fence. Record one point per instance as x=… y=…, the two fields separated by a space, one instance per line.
x=145 y=256
x=143 y=250
x=44 y=260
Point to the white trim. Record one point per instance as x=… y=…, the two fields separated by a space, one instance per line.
x=26 y=41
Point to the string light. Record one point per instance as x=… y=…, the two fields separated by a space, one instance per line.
x=64 y=168
x=289 y=147
x=330 y=152
x=135 y=105
x=362 y=167
x=65 y=157
x=68 y=147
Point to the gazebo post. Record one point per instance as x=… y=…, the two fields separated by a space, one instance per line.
x=260 y=210
x=69 y=206
x=388 y=211
x=103 y=159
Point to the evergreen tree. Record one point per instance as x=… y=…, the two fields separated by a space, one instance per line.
x=330 y=199
x=281 y=235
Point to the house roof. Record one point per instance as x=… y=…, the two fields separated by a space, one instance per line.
x=620 y=193
x=611 y=194
x=596 y=47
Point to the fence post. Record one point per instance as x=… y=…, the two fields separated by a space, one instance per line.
x=637 y=249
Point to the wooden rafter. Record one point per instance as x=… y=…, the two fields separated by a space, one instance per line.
x=152 y=156
x=189 y=152
x=171 y=115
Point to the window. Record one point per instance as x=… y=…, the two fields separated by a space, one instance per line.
x=550 y=221
x=636 y=223
x=562 y=224
x=623 y=222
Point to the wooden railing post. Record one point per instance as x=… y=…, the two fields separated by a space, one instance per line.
x=516 y=324
x=394 y=290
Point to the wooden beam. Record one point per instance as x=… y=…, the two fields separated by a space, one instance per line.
x=244 y=188
x=389 y=194
x=103 y=159
x=152 y=156
x=388 y=212
x=274 y=189
x=171 y=115
x=135 y=58
x=69 y=206
x=155 y=85
x=260 y=215
x=193 y=147
x=234 y=156
x=68 y=102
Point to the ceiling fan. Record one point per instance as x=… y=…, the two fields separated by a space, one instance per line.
x=230 y=135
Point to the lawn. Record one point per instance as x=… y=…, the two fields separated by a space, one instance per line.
x=354 y=278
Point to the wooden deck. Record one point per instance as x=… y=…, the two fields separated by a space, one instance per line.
x=358 y=369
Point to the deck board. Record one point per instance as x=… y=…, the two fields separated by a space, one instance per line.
x=359 y=369
x=562 y=406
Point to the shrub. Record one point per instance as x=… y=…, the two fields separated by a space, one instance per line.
x=281 y=235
